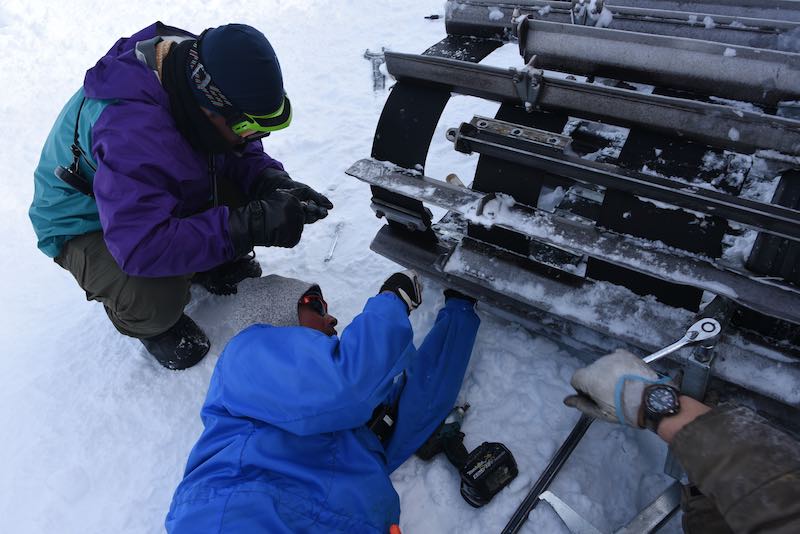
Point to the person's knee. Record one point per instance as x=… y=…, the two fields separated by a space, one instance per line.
x=146 y=307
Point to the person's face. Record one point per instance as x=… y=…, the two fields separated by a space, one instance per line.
x=222 y=127
x=314 y=314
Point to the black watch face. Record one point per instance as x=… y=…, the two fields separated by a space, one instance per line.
x=662 y=400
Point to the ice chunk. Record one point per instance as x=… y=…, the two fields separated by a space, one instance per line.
x=495 y=13
x=606 y=17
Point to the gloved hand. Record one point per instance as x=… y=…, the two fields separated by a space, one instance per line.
x=406 y=285
x=316 y=205
x=276 y=221
x=611 y=388
x=454 y=294
x=222 y=280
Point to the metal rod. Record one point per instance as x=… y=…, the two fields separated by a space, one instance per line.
x=575 y=522
x=714 y=124
x=657 y=513
x=479 y=136
x=729 y=71
x=760 y=28
x=787 y=10
x=548 y=475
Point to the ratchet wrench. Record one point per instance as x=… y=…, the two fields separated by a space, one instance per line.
x=699 y=331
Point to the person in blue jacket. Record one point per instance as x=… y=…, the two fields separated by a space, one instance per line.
x=304 y=427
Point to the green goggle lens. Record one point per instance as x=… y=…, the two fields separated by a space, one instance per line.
x=277 y=120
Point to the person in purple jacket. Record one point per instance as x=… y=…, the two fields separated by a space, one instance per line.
x=154 y=177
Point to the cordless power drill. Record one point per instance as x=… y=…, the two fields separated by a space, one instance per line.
x=484 y=471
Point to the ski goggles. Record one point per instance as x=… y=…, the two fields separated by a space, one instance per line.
x=241 y=123
x=316 y=302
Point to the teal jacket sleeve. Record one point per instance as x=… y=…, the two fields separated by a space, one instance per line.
x=305 y=382
x=433 y=380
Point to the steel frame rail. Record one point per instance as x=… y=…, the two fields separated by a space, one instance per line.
x=713 y=124
x=748 y=363
x=756 y=28
x=511 y=143
x=772 y=299
x=736 y=72
x=787 y=10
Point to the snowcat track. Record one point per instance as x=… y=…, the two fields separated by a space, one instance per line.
x=576 y=272
x=769 y=298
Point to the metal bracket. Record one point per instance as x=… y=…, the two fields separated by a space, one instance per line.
x=576 y=523
x=399 y=215
x=377 y=59
x=528 y=83
x=579 y=12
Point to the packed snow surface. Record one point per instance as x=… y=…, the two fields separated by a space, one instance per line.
x=96 y=434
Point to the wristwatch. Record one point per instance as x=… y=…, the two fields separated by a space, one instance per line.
x=658 y=401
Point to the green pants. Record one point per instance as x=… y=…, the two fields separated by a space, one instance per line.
x=139 y=307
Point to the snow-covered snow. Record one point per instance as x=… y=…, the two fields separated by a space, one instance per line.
x=96 y=434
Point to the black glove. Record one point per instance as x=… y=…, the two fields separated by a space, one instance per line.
x=312 y=211
x=222 y=280
x=276 y=221
x=315 y=204
x=407 y=286
x=453 y=294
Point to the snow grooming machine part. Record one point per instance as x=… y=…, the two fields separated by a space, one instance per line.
x=629 y=201
x=630 y=179
x=762 y=24
x=377 y=59
x=484 y=472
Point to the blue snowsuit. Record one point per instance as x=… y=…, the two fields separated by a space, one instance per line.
x=285 y=447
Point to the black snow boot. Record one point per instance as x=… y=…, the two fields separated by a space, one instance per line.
x=223 y=280
x=181 y=346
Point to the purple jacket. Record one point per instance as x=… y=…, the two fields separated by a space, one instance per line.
x=150 y=184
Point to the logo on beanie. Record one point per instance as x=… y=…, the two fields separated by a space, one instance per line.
x=202 y=80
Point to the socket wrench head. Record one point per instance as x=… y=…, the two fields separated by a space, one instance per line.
x=703 y=329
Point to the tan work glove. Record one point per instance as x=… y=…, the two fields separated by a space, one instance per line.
x=611 y=388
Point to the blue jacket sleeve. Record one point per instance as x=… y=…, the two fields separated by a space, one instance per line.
x=305 y=382
x=433 y=379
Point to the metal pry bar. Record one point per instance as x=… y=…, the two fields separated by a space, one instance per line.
x=699 y=331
